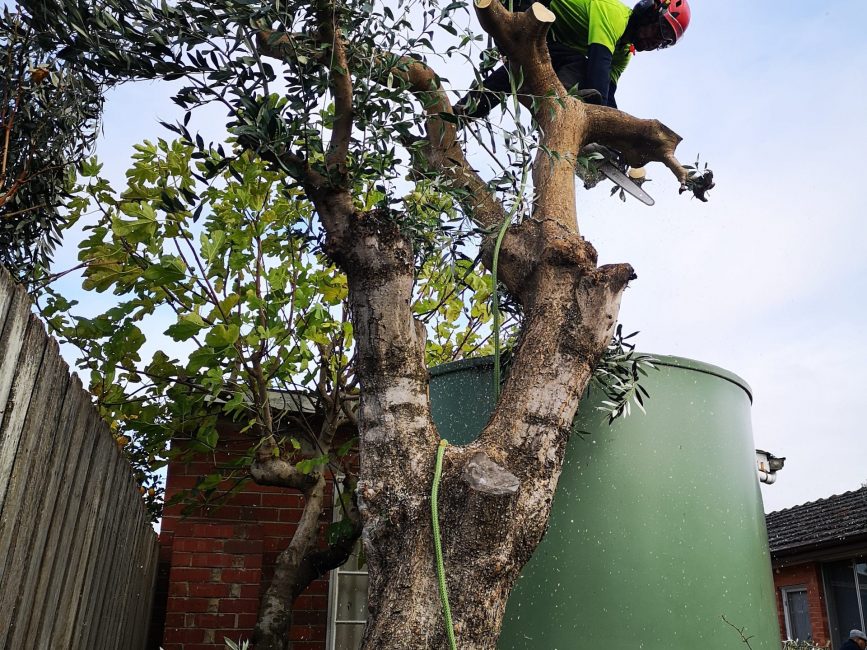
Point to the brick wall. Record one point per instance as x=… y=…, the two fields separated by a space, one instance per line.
x=216 y=564
x=810 y=575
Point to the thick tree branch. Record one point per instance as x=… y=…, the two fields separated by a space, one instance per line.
x=341 y=88
x=640 y=141
x=275 y=611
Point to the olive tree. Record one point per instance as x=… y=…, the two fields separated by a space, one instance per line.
x=345 y=100
x=49 y=114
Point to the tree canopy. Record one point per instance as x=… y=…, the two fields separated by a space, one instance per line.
x=49 y=119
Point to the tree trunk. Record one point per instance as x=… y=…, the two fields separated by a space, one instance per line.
x=275 y=610
x=496 y=493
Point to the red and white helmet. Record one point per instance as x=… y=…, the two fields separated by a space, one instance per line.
x=672 y=16
x=676 y=14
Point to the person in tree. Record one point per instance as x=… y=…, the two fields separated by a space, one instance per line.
x=590 y=43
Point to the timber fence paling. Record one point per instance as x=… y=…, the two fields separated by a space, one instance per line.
x=67 y=623
x=17 y=402
x=59 y=435
x=113 y=617
x=99 y=563
x=78 y=556
x=23 y=496
x=62 y=542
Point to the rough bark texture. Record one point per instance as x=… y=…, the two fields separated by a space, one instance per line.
x=496 y=493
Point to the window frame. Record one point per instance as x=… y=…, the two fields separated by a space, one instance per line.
x=784 y=592
x=334 y=577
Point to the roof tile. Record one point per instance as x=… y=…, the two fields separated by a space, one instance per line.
x=834 y=519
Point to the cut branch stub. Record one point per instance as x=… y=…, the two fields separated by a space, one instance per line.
x=484 y=475
x=521 y=37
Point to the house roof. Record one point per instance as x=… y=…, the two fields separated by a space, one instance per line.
x=836 y=520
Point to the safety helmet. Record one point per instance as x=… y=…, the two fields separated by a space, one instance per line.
x=672 y=16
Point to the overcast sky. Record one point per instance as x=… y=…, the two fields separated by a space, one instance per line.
x=768 y=279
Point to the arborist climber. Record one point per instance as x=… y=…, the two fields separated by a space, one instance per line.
x=590 y=43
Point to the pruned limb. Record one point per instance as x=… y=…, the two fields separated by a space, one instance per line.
x=484 y=475
x=521 y=38
x=639 y=140
x=270 y=468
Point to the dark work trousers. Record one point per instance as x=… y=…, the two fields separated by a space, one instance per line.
x=569 y=65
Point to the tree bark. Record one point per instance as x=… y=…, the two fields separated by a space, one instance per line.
x=496 y=493
x=299 y=565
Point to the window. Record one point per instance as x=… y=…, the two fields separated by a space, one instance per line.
x=797 y=612
x=846 y=593
x=347 y=597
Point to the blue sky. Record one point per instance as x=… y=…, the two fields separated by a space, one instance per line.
x=766 y=280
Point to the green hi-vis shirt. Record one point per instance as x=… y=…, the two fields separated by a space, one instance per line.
x=580 y=23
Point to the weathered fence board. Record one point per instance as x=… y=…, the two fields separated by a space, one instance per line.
x=78 y=556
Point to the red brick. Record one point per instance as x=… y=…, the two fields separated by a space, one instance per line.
x=243 y=576
x=233 y=634
x=241 y=546
x=246 y=621
x=302 y=633
x=253 y=562
x=283 y=499
x=269 y=515
x=215 y=621
x=246 y=499
x=220 y=531
x=239 y=605
x=192 y=605
x=183 y=635
x=198 y=545
x=181 y=559
x=211 y=560
x=209 y=590
x=186 y=574
x=178 y=589
x=309 y=617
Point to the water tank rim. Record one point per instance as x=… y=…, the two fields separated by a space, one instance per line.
x=670 y=361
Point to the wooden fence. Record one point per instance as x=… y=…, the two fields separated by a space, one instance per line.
x=77 y=553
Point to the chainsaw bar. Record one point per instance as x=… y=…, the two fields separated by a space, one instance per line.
x=609 y=163
x=624 y=182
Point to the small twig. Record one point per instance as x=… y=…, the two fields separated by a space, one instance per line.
x=739 y=630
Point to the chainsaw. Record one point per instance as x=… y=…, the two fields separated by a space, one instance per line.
x=597 y=161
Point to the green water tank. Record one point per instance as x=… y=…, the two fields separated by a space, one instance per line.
x=657 y=529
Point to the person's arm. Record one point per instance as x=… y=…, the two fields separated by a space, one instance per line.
x=598 y=75
x=606 y=23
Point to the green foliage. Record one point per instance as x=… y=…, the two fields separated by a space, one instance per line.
x=229 y=271
x=618 y=375
x=214 y=47
x=242 y=644
x=243 y=299
x=49 y=115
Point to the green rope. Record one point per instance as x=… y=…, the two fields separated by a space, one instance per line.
x=495 y=299
x=438 y=548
